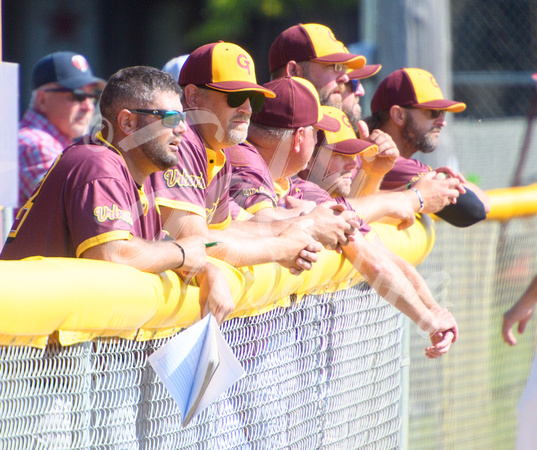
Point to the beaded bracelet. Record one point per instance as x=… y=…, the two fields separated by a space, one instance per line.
x=420 y=198
x=183 y=252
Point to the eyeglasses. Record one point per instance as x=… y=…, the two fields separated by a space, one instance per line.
x=236 y=99
x=341 y=68
x=79 y=95
x=169 y=118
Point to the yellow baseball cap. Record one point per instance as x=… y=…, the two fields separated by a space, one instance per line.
x=412 y=87
x=344 y=140
x=311 y=41
x=222 y=66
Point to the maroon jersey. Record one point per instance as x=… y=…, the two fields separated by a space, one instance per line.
x=199 y=183
x=87 y=198
x=251 y=182
x=404 y=171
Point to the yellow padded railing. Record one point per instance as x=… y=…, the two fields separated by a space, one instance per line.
x=82 y=299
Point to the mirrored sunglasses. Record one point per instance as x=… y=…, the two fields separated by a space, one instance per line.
x=169 y=118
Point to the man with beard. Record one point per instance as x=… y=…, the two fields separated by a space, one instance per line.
x=410 y=107
x=279 y=147
x=311 y=51
x=353 y=91
x=220 y=93
x=97 y=201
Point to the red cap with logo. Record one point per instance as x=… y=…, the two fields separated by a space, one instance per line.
x=311 y=41
x=412 y=87
x=222 y=66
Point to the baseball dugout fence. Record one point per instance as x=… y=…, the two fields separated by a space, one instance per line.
x=334 y=370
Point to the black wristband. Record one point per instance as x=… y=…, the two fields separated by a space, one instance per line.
x=182 y=252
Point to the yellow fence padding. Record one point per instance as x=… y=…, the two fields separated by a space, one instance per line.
x=512 y=202
x=82 y=299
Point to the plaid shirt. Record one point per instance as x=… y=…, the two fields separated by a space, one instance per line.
x=39 y=144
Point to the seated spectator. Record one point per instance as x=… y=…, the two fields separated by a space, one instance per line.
x=280 y=144
x=61 y=108
x=97 y=201
x=410 y=107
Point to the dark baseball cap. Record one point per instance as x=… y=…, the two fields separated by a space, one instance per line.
x=412 y=87
x=365 y=72
x=296 y=105
x=68 y=69
x=311 y=41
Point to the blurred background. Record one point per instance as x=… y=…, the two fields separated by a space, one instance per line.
x=482 y=53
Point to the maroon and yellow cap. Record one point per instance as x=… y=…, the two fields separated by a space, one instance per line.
x=411 y=87
x=364 y=72
x=311 y=41
x=296 y=105
x=222 y=66
x=344 y=140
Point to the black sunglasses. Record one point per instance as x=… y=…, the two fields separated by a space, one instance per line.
x=236 y=99
x=78 y=94
x=169 y=118
x=435 y=113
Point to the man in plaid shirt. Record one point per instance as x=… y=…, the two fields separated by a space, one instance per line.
x=61 y=108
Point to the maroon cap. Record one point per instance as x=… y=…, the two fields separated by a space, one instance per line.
x=296 y=105
x=311 y=41
x=411 y=87
x=222 y=66
x=364 y=72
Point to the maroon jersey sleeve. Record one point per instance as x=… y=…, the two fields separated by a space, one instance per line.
x=404 y=171
x=251 y=182
x=87 y=198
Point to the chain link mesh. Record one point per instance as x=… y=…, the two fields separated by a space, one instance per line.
x=468 y=398
x=324 y=373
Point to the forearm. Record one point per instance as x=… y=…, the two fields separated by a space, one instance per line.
x=364 y=184
x=529 y=298
x=390 y=282
x=153 y=257
x=240 y=250
x=394 y=204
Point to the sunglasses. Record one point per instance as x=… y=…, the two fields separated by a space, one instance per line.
x=355 y=84
x=435 y=113
x=169 y=118
x=78 y=94
x=236 y=99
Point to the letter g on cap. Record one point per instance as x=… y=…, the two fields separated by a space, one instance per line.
x=244 y=62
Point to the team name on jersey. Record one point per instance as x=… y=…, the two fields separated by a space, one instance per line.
x=174 y=177
x=104 y=213
x=211 y=211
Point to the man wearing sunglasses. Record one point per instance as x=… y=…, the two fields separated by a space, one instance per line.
x=409 y=105
x=278 y=148
x=97 y=201
x=220 y=93
x=61 y=107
